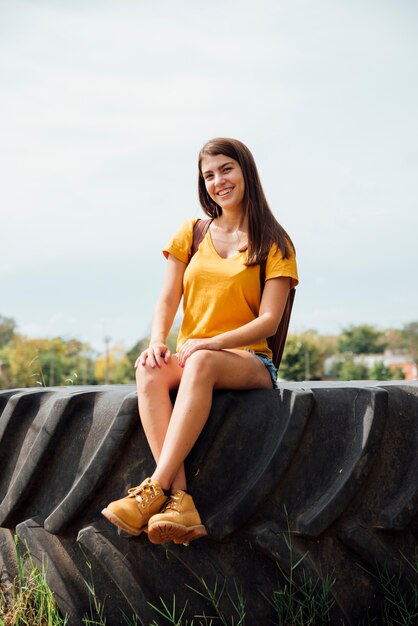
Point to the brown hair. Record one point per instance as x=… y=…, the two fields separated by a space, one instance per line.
x=263 y=228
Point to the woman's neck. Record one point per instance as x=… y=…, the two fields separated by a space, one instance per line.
x=232 y=221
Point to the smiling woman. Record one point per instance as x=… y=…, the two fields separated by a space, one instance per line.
x=222 y=343
x=224 y=181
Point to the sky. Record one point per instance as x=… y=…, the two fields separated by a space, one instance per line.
x=105 y=104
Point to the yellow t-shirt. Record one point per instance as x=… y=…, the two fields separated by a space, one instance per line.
x=221 y=294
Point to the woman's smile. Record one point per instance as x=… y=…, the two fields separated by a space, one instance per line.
x=225 y=192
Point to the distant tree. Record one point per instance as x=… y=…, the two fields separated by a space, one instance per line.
x=363 y=339
x=7 y=330
x=348 y=369
x=398 y=373
x=380 y=371
x=302 y=357
x=114 y=368
x=47 y=362
x=327 y=344
x=394 y=339
x=410 y=338
x=22 y=361
x=5 y=374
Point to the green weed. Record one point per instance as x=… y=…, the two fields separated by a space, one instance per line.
x=170 y=614
x=29 y=602
x=299 y=601
x=215 y=596
x=399 y=592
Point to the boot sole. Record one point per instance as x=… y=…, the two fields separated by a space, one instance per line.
x=117 y=521
x=164 y=532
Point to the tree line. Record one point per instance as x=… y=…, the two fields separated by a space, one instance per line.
x=306 y=354
x=29 y=362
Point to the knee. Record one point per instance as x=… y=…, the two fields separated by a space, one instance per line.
x=201 y=364
x=146 y=377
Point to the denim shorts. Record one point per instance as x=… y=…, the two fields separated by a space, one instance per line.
x=271 y=368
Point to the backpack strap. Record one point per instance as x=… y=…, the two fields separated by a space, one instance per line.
x=277 y=341
x=262 y=276
x=199 y=231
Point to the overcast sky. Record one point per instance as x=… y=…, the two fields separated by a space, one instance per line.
x=105 y=104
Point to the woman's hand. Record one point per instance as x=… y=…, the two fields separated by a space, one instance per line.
x=192 y=345
x=155 y=355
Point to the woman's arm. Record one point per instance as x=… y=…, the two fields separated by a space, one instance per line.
x=273 y=301
x=164 y=313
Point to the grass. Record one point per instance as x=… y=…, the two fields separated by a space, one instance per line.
x=400 y=593
x=29 y=601
x=215 y=598
x=298 y=601
x=303 y=603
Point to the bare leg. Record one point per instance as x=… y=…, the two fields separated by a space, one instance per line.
x=155 y=409
x=204 y=371
x=171 y=433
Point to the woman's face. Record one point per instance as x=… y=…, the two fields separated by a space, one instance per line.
x=224 y=181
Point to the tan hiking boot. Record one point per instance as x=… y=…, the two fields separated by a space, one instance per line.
x=132 y=512
x=179 y=521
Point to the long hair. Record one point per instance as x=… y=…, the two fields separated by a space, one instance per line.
x=263 y=228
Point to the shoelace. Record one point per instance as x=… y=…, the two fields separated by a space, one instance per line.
x=143 y=491
x=173 y=502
